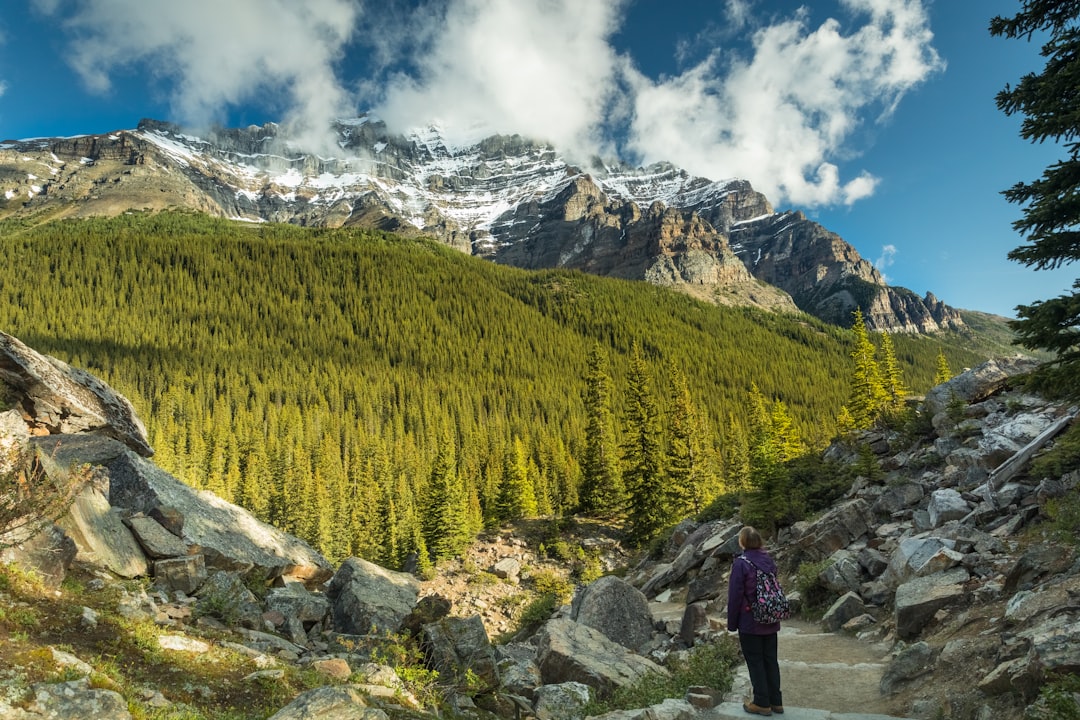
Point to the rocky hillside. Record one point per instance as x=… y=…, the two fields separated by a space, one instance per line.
x=150 y=599
x=507 y=199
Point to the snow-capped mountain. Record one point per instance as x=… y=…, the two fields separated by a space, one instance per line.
x=506 y=198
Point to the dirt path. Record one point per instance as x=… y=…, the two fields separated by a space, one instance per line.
x=826 y=671
x=819 y=672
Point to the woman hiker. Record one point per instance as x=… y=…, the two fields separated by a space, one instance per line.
x=758 y=641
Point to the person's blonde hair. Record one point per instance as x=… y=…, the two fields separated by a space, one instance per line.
x=750 y=538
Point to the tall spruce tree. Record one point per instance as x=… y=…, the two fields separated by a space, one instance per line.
x=688 y=469
x=1051 y=214
x=444 y=520
x=942 y=373
x=868 y=394
x=643 y=455
x=517 y=497
x=602 y=491
x=891 y=375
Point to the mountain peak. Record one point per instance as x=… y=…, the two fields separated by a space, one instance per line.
x=505 y=197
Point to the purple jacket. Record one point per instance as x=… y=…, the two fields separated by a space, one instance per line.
x=742 y=590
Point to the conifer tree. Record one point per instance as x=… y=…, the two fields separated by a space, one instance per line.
x=688 y=472
x=868 y=394
x=736 y=455
x=643 y=453
x=942 y=373
x=444 y=516
x=602 y=491
x=1051 y=213
x=517 y=498
x=891 y=375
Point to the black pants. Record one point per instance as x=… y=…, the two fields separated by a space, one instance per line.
x=760 y=654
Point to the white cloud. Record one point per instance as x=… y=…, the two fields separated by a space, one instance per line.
x=217 y=54
x=781 y=117
x=541 y=68
x=886 y=259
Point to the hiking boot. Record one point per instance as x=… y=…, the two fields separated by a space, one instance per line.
x=778 y=709
x=756 y=709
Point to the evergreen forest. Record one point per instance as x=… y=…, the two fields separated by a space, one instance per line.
x=389 y=398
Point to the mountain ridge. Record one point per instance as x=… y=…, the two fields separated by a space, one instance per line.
x=508 y=199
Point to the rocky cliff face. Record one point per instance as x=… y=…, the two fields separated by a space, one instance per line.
x=506 y=198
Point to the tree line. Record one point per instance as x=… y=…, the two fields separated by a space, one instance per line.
x=389 y=398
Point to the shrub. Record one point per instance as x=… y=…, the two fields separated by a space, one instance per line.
x=30 y=498
x=1062 y=458
x=710 y=665
x=1064 y=514
x=1060 y=699
x=808 y=583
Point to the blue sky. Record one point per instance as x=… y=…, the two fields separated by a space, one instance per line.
x=875 y=117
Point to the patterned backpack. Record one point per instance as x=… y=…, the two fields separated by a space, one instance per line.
x=770 y=604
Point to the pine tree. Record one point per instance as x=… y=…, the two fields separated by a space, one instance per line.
x=868 y=394
x=891 y=375
x=942 y=373
x=688 y=469
x=643 y=452
x=517 y=498
x=1051 y=213
x=602 y=491
x=445 y=522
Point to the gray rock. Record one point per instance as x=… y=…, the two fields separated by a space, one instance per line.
x=615 y=608
x=75 y=700
x=836 y=529
x=507 y=569
x=1019 y=675
x=908 y=664
x=68 y=400
x=185 y=574
x=48 y=551
x=946 y=504
x=917 y=600
x=368 y=598
x=570 y=651
x=708 y=585
x=564 y=701
x=873 y=561
x=230 y=537
x=14 y=437
x=898 y=497
x=1056 y=643
x=910 y=557
x=157 y=542
x=223 y=595
x=695 y=621
x=845 y=608
x=329 y=703
x=99 y=534
x=169 y=518
x=456 y=647
x=294 y=601
x=842 y=574
x=978 y=383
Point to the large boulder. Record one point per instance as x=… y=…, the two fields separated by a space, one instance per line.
x=1055 y=643
x=329 y=703
x=569 y=651
x=836 y=529
x=294 y=601
x=459 y=649
x=66 y=400
x=230 y=537
x=917 y=600
x=101 y=536
x=365 y=597
x=47 y=550
x=74 y=700
x=615 y=608
x=978 y=383
x=946 y=504
x=915 y=557
x=14 y=436
x=565 y=701
x=849 y=606
x=157 y=542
